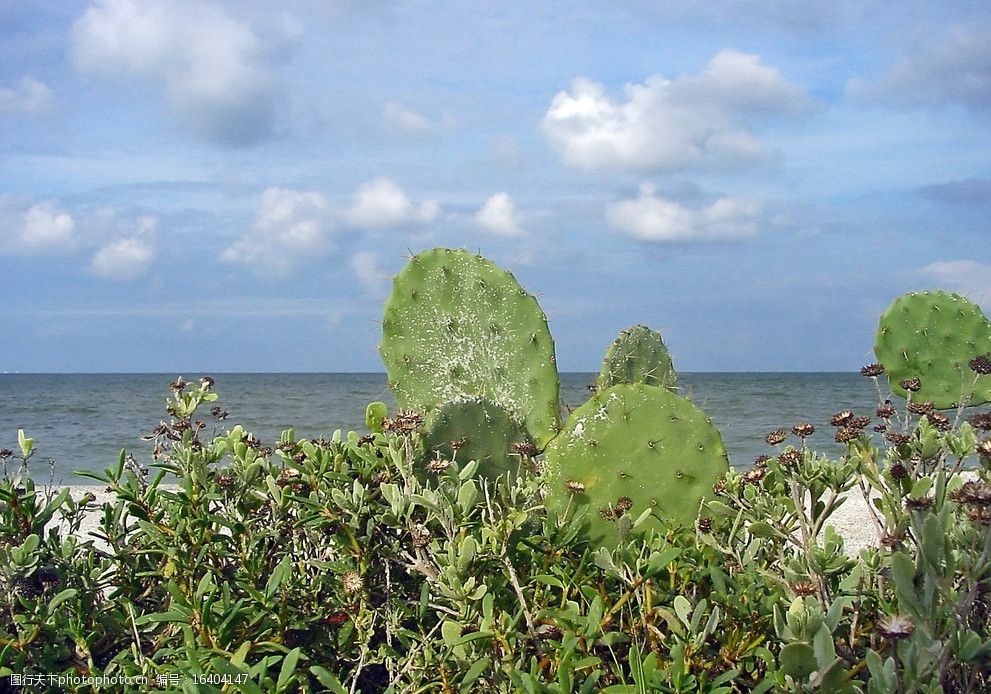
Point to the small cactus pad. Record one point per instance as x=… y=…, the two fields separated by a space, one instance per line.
x=637 y=355
x=456 y=325
x=933 y=336
x=475 y=429
x=639 y=446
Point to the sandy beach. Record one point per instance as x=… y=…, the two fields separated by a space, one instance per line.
x=852 y=520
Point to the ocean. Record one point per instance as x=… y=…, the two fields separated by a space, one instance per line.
x=82 y=421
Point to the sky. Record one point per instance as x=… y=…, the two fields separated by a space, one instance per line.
x=230 y=186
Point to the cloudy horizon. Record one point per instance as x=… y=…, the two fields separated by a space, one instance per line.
x=220 y=186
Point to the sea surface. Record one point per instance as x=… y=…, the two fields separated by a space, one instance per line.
x=82 y=421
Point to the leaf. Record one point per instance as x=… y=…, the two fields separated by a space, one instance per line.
x=683 y=608
x=26 y=444
x=903 y=573
x=476 y=669
x=467 y=495
x=288 y=669
x=798 y=660
x=451 y=633
x=825 y=651
x=375 y=413
x=328 y=680
x=279 y=574
x=66 y=594
x=761 y=529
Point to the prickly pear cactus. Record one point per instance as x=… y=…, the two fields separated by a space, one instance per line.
x=475 y=429
x=637 y=355
x=630 y=448
x=455 y=325
x=933 y=336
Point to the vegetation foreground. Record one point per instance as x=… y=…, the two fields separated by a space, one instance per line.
x=474 y=541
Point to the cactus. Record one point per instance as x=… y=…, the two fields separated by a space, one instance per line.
x=933 y=336
x=637 y=355
x=630 y=448
x=475 y=429
x=455 y=325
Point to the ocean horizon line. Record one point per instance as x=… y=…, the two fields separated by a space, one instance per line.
x=200 y=372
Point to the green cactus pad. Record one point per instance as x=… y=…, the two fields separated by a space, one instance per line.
x=484 y=431
x=933 y=336
x=636 y=441
x=455 y=325
x=637 y=355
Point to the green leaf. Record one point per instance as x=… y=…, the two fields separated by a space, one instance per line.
x=26 y=444
x=288 y=669
x=279 y=575
x=467 y=495
x=476 y=669
x=798 y=660
x=451 y=633
x=903 y=573
x=66 y=594
x=761 y=529
x=683 y=608
x=328 y=680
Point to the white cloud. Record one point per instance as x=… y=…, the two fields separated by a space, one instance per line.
x=127 y=258
x=28 y=97
x=656 y=219
x=956 y=70
x=367 y=270
x=213 y=66
x=291 y=225
x=692 y=120
x=39 y=228
x=381 y=204
x=968 y=277
x=405 y=121
x=498 y=216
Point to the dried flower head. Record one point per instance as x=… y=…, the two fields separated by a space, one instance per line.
x=408 y=420
x=719 y=487
x=207 y=382
x=895 y=627
x=388 y=424
x=790 y=458
x=984 y=448
x=974 y=492
x=704 y=524
x=847 y=434
x=548 y=632
x=980 y=515
x=352 y=582
x=803 y=429
x=981 y=421
x=897 y=439
x=438 y=464
x=981 y=365
x=912 y=385
x=920 y=407
x=5 y=453
x=776 y=437
x=872 y=370
x=178 y=385
x=885 y=411
x=923 y=503
x=859 y=422
x=880 y=428
x=803 y=588
x=419 y=535
x=524 y=448
x=225 y=480
x=607 y=513
x=458 y=444
x=761 y=460
x=893 y=540
x=574 y=487
x=754 y=475
x=898 y=471
x=939 y=420
x=624 y=504
x=841 y=419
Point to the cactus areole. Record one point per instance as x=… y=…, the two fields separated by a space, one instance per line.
x=457 y=326
x=933 y=336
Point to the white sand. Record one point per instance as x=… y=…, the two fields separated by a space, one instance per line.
x=852 y=520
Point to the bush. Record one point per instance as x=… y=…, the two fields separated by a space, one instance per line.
x=335 y=565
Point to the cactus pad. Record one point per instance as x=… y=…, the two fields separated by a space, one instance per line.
x=475 y=429
x=455 y=325
x=933 y=336
x=637 y=355
x=636 y=444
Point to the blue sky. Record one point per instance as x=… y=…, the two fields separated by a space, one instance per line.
x=211 y=186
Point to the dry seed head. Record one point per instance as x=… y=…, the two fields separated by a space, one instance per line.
x=776 y=437
x=939 y=420
x=980 y=421
x=886 y=411
x=704 y=524
x=980 y=515
x=895 y=627
x=911 y=384
x=803 y=588
x=438 y=465
x=847 y=434
x=352 y=582
x=897 y=439
x=790 y=458
x=841 y=419
x=803 y=429
x=898 y=471
x=420 y=535
x=524 y=448
x=973 y=492
x=872 y=370
x=458 y=444
x=860 y=422
x=574 y=487
x=923 y=503
x=981 y=365
x=624 y=504
x=920 y=407
x=984 y=448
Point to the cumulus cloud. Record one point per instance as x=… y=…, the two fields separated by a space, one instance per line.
x=28 y=97
x=367 y=270
x=291 y=225
x=405 y=121
x=498 y=216
x=968 y=191
x=37 y=228
x=214 y=68
x=382 y=204
x=649 y=217
x=126 y=259
x=968 y=277
x=692 y=120
x=957 y=70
